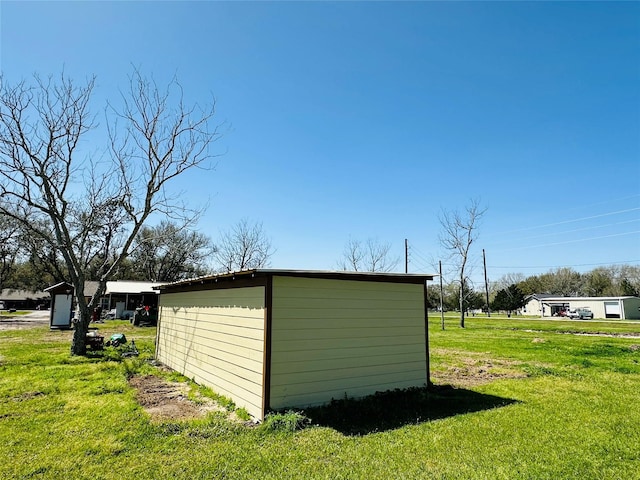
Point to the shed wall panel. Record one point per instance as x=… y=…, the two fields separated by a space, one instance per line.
x=216 y=337
x=335 y=337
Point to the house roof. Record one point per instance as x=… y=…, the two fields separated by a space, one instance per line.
x=558 y=298
x=19 y=295
x=125 y=286
x=324 y=274
x=119 y=286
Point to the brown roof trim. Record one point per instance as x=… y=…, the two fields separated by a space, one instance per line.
x=266 y=363
x=252 y=277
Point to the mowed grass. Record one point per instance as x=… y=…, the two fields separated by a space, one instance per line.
x=532 y=400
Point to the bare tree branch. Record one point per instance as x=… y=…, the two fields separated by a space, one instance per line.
x=370 y=256
x=459 y=232
x=244 y=247
x=154 y=138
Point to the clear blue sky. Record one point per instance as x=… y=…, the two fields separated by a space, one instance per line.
x=357 y=120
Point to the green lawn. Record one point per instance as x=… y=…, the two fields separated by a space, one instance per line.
x=532 y=400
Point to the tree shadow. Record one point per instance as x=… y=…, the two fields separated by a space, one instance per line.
x=397 y=408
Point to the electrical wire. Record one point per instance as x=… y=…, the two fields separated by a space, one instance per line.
x=566 y=242
x=564 y=222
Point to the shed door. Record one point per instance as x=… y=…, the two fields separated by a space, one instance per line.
x=612 y=309
x=61 y=311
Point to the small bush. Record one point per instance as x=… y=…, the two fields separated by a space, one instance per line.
x=289 y=421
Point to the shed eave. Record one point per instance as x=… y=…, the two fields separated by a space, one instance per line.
x=414 y=278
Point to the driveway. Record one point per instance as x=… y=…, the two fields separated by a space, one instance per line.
x=36 y=318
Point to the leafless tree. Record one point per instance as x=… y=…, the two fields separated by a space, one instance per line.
x=90 y=211
x=244 y=247
x=9 y=247
x=169 y=252
x=369 y=256
x=513 y=278
x=459 y=231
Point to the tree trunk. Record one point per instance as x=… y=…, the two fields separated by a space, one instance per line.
x=80 y=329
x=461 y=300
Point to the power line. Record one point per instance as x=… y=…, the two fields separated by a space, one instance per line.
x=603 y=202
x=565 y=232
x=564 y=222
x=624 y=262
x=572 y=241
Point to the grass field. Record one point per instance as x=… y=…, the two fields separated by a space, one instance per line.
x=532 y=399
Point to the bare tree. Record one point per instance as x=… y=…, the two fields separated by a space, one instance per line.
x=169 y=252
x=369 y=256
x=90 y=211
x=513 y=278
x=244 y=247
x=459 y=231
x=9 y=248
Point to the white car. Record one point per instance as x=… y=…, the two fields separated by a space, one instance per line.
x=581 y=313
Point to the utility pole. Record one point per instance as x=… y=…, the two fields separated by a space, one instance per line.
x=486 y=282
x=441 y=294
x=406 y=256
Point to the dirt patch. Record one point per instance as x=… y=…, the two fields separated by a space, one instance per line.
x=28 y=396
x=164 y=400
x=591 y=334
x=472 y=370
x=21 y=322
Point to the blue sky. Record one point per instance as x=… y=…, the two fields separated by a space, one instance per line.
x=364 y=119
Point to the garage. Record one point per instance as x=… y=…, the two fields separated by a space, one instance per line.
x=612 y=309
x=273 y=339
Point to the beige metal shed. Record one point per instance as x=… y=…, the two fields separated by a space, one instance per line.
x=272 y=339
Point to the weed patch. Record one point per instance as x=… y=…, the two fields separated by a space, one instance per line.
x=289 y=421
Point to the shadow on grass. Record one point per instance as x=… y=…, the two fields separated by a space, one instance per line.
x=397 y=408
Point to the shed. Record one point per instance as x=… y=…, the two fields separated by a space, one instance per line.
x=61 y=305
x=272 y=339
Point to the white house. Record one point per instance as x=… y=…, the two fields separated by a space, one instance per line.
x=124 y=296
x=623 y=308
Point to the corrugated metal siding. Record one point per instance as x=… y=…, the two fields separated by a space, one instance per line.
x=334 y=337
x=631 y=307
x=216 y=337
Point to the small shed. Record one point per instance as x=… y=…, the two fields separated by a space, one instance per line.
x=61 y=305
x=272 y=339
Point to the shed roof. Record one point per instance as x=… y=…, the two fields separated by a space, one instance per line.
x=325 y=274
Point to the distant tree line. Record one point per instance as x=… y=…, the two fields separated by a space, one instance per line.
x=509 y=293
x=614 y=280
x=162 y=253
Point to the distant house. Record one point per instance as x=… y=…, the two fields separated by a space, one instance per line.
x=24 y=299
x=121 y=298
x=623 y=308
x=272 y=339
x=124 y=296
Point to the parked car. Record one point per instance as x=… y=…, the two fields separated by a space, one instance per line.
x=581 y=313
